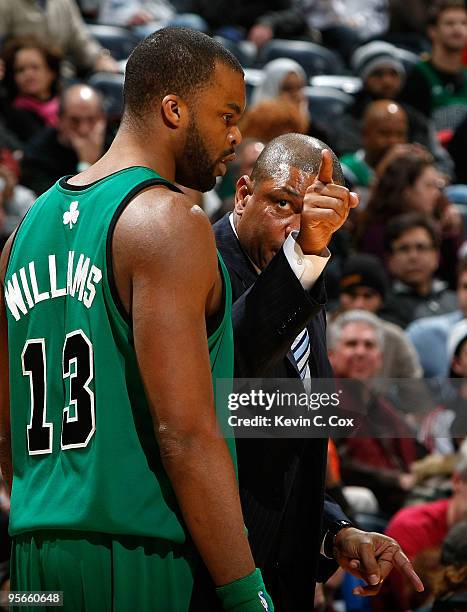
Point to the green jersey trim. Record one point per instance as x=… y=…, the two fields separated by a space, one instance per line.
x=227 y=299
x=66 y=187
x=108 y=249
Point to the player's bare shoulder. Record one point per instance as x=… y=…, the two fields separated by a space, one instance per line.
x=159 y=221
x=162 y=234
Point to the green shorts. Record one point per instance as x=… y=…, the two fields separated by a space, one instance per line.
x=104 y=573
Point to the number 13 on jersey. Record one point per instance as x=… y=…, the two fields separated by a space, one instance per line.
x=78 y=420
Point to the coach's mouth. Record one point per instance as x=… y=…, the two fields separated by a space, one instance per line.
x=229 y=158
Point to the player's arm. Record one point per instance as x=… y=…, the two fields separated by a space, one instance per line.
x=5 y=433
x=173 y=274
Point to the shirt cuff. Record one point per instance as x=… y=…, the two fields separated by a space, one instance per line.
x=307 y=268
x=321 y=550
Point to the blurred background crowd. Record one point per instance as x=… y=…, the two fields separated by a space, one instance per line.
x=384 y=84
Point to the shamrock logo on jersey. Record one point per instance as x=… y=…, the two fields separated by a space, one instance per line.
x=71 y=216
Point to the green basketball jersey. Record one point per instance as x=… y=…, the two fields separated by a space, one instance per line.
x=85 y=455
x=448 y=104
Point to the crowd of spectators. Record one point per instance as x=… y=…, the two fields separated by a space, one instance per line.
x=397 y=279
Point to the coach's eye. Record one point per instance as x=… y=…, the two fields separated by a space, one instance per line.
x=227 y=118
x=283 y=203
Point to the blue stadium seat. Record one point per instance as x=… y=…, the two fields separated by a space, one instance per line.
x=243 y=51
x=348 y=83
x=327 y=104
x=119 y=41
x=408 y=58
x=253 y=78
x=314 y=58
x=111 y=87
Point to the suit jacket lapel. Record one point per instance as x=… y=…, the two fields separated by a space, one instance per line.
x=236 y=259
x=232 y=252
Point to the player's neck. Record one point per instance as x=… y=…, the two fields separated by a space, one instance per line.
x=128 y=149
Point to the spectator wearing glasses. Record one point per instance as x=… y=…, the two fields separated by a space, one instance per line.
x=412 y=244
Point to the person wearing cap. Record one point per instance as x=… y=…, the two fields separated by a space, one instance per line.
x=380 y=67
x=363 y=285
x=424 y=526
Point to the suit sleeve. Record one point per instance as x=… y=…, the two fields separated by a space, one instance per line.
x=268 y=317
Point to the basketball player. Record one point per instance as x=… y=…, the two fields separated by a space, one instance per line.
x=116 y=308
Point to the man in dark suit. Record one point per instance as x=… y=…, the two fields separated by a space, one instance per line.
x=274 y=245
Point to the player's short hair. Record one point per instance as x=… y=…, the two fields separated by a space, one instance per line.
x=172 y=60
x=296 y=150
x=436 y=8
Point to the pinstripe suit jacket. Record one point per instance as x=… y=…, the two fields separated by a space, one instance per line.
x=281 y=480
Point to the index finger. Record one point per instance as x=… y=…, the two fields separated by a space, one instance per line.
x=405 y=567
x=325 y=167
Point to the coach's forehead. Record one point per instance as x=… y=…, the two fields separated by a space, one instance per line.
x=289 y=178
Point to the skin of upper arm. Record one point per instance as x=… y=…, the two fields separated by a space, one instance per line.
x=172 y=271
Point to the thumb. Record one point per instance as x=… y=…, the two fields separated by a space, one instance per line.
x=369 y=565
x=325 y=167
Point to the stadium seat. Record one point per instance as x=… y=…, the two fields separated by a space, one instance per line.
x=253 y=78
x=314 y=58
x=243 y=51
x=327 y=104
x=111 y=87
x=349 y=84
x=408 y=58
x=119 y=41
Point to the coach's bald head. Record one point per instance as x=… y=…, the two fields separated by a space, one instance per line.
x=268 y=204
x=293 y=150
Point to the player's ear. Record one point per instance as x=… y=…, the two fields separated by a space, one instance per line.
x=243 y=192
x=173 y=111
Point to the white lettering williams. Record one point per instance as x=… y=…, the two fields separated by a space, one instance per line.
x=54 y=292
x=21 y=295
x=81 y=273
x=95 y=276
x=13 y=297
x=26 y=291
x=69 y=274
x=38 y=297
